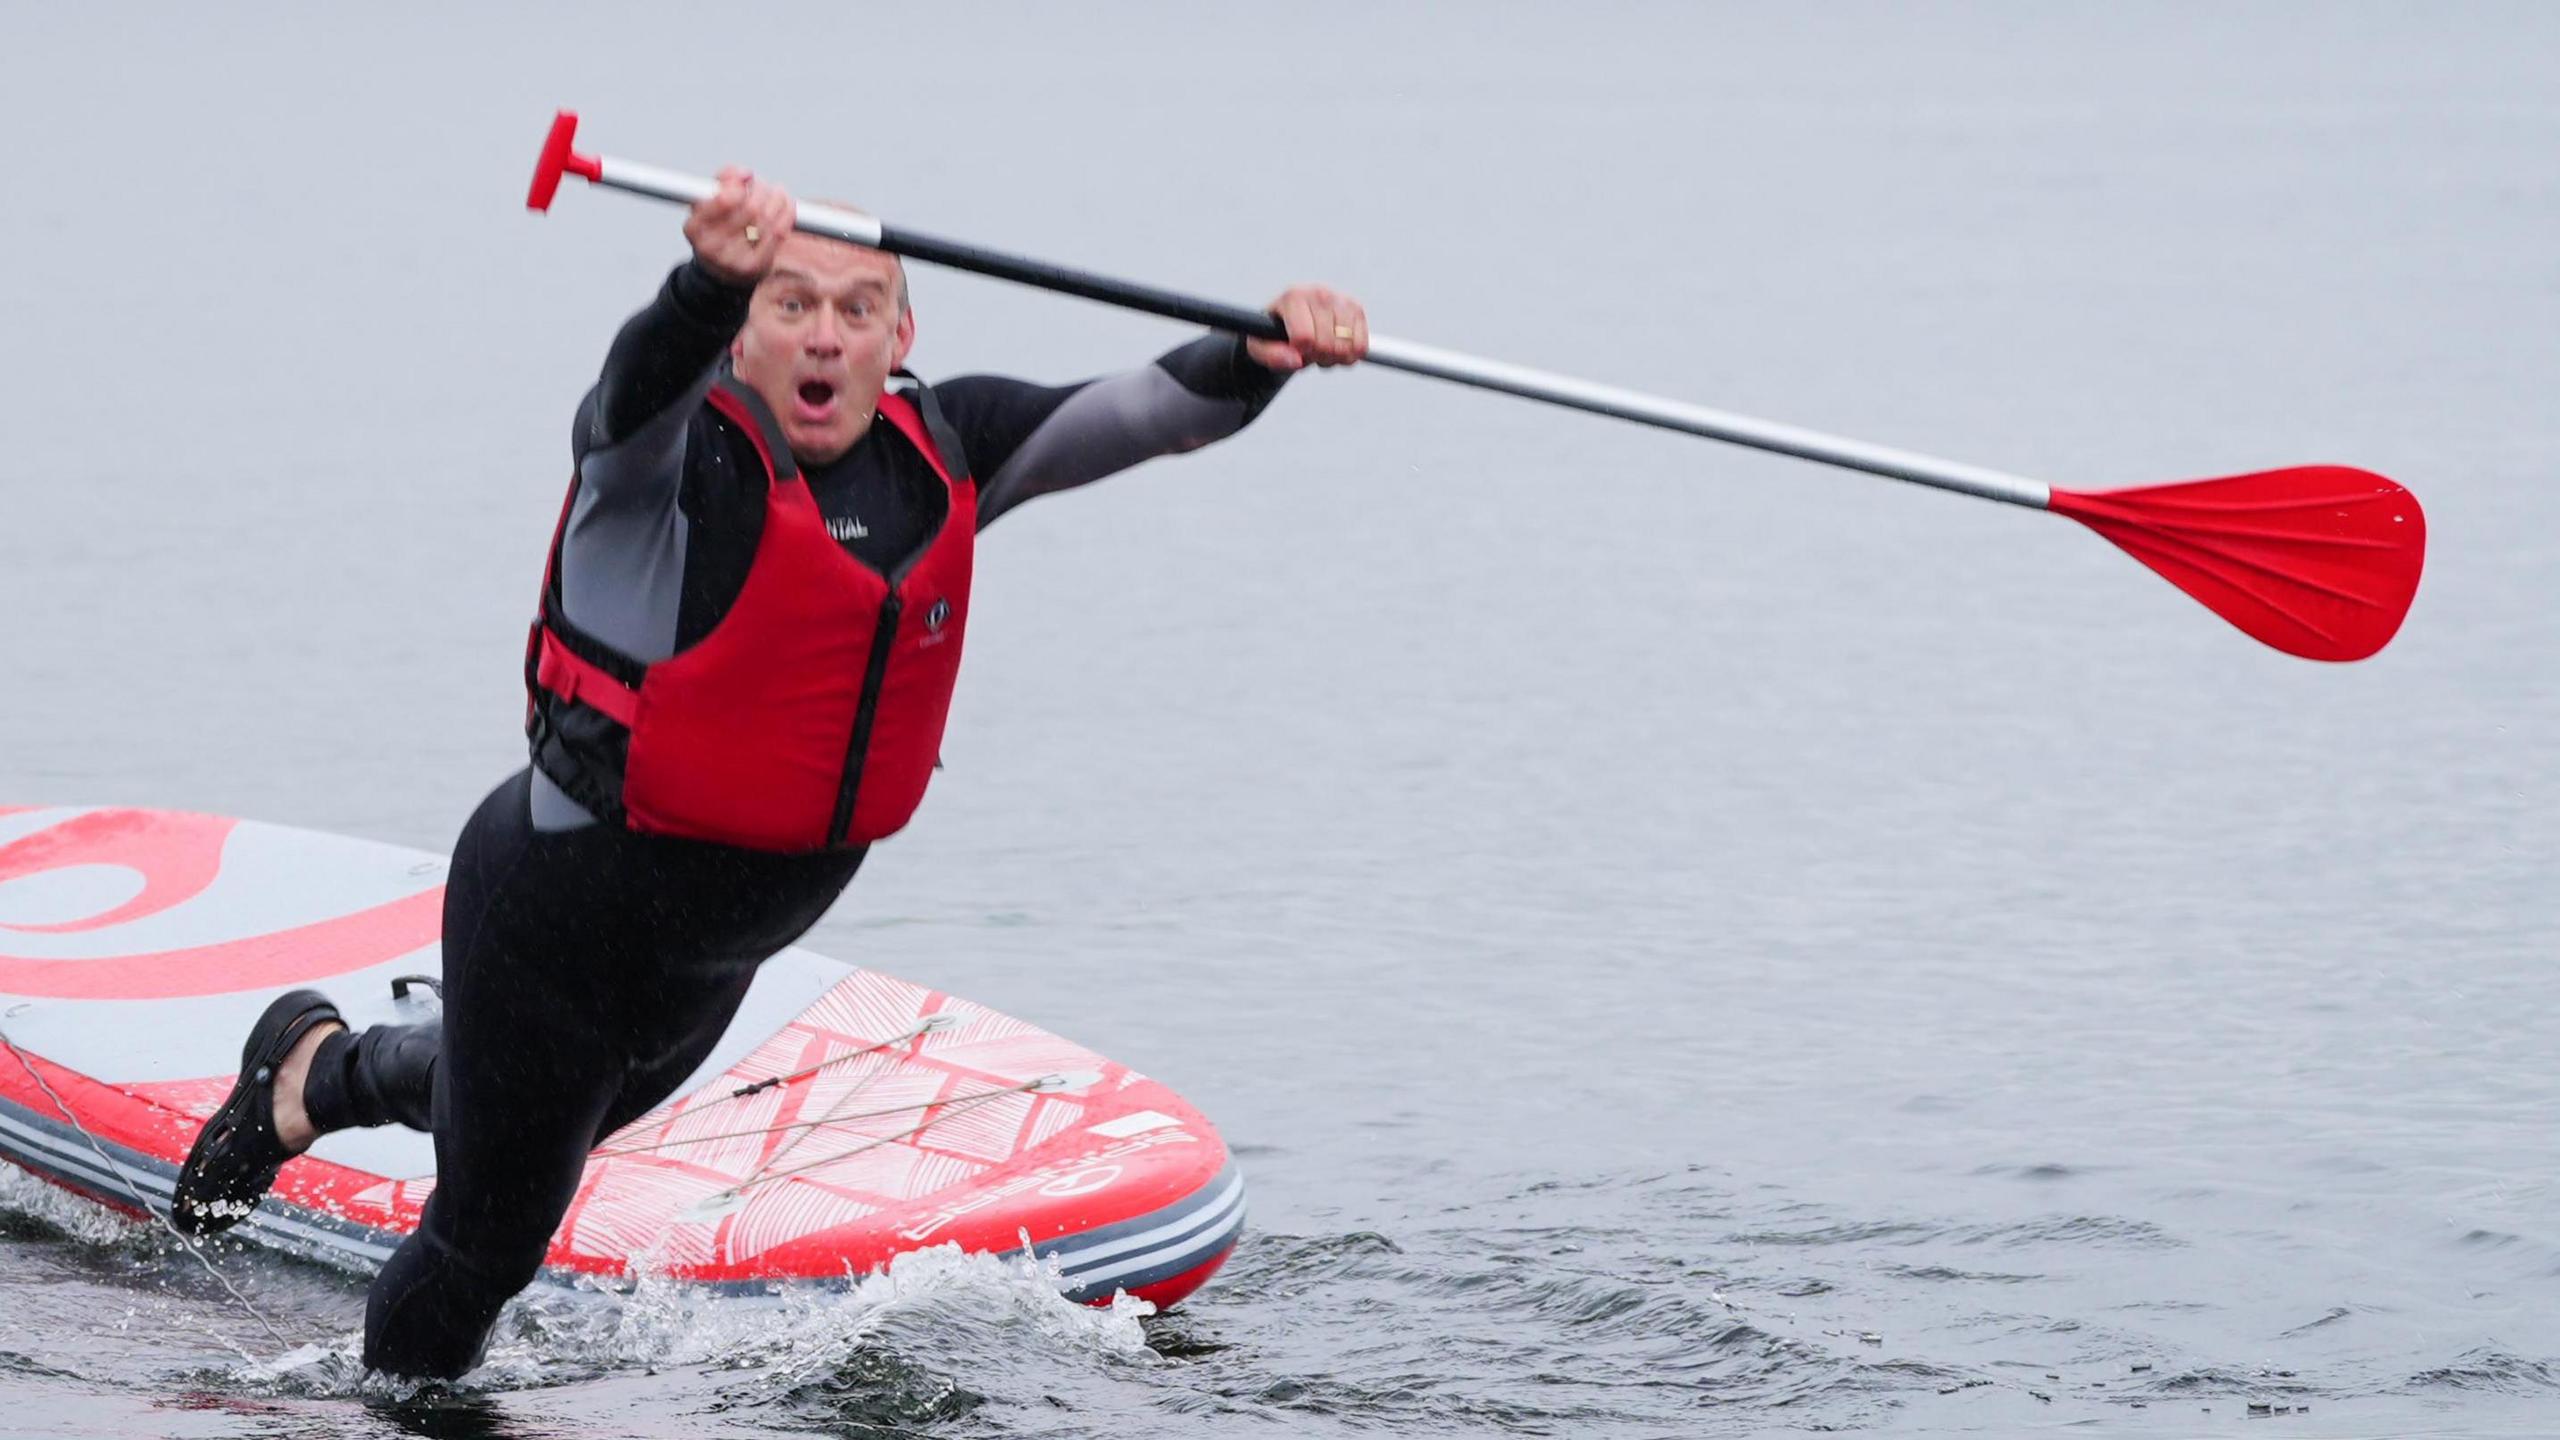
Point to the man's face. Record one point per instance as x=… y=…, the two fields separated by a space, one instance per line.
x=822 y=334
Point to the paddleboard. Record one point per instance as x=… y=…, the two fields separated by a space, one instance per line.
x=846 y=1117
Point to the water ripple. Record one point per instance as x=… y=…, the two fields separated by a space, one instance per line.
x=2490 y=1370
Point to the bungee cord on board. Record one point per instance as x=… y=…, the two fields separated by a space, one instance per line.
x=729 y=1198
x=923 y=1027
x=968 y=1101
x=956 y=1105
x=185 y=1241
x=932 y=1111
x=917 y=1031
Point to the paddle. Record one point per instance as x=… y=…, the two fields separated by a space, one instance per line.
x=2318 y=561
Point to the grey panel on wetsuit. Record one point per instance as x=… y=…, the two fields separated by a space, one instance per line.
x=622 y=558
x=1106 y=427
x=622 y=555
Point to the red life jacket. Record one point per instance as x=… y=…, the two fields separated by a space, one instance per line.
x=810 y=717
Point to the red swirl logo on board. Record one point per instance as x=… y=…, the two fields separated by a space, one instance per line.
x=179 y=857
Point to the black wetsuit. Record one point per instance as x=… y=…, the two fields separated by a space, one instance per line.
x=588 y=969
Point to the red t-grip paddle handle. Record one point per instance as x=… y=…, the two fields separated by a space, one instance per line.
x=558 y=160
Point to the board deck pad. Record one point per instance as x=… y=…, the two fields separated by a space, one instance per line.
x=138 y=946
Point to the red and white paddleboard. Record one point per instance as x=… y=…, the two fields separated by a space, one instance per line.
x=137 y=946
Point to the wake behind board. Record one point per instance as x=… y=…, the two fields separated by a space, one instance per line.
x=137 y=946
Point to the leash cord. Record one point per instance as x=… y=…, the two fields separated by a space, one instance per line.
x=185 y=1241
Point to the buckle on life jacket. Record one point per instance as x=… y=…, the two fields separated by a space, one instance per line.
x=574 y=678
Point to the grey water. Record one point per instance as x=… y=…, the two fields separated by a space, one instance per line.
x=1682 y=941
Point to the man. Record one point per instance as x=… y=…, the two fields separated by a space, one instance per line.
x=745 y=652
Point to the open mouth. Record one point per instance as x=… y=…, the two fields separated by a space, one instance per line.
x=816 y=400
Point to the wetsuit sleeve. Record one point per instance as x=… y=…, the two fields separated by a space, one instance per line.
x=1027 y=440
x=665 y=356
x=664 y=351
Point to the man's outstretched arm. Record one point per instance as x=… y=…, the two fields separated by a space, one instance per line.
x=663 y=356
x=662 y=353
x=1028 y=440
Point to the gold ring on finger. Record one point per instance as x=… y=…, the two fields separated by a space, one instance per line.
x=754 y=235
x=1341 y=332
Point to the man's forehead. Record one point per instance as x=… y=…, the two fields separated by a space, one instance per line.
x=814 y=260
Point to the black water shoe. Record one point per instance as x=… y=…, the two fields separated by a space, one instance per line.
x=237 y=1154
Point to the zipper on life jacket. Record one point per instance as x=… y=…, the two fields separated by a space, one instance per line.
x=856 y=753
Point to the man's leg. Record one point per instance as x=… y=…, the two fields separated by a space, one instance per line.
x=383 y=1075
x=583 y=981
x=520 y=1087
x=534 y=1071
x=512 y=1078
x=696 y=1029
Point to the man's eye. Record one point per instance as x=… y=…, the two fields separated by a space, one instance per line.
x=788 y=305
x=860 y=309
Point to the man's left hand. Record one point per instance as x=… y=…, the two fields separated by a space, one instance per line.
x=1326 y=327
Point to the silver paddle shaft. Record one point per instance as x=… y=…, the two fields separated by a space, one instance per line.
x=1405 y=355
x=1713 y=424
x=639 y=179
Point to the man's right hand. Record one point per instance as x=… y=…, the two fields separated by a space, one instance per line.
x=736 y=233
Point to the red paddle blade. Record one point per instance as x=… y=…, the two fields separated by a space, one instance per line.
x=2318 y=561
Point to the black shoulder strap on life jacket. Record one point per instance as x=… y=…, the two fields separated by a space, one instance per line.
x=955 y=457
x=741 y=401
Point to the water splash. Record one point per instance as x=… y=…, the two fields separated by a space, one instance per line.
x=24 y=1199
x=927 y=1309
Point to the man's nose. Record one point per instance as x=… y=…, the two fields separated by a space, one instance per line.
x=825 y=335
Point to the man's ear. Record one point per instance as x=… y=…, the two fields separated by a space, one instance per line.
x=738 y=347
x=906 y=340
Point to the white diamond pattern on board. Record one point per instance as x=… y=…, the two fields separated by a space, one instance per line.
x=987 y=1130
x=936 y=1173
x=868 y=1006
x=982 y=1025
x=903 y=1092
x=743 y=1124
x=784 y=1211
x=780 y=1054
x=683 y=1244
x=830 y=1049
x=1049 y=1117
x=1020 y=1058
x=883 y=1172
x=865 y=1076
x=628 y=1206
